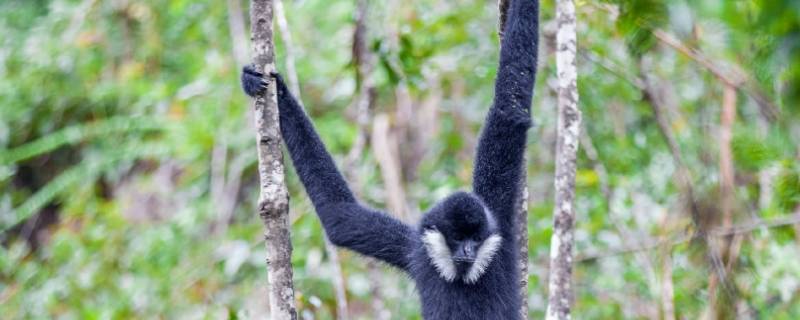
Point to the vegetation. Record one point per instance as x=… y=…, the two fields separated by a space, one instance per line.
x=128 y=179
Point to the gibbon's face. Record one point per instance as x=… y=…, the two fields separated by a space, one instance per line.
x=460 y=238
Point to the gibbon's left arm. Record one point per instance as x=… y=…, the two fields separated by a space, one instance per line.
x=500 y=154
x=346 y=222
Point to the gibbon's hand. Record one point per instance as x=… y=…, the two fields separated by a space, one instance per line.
x=253 y=82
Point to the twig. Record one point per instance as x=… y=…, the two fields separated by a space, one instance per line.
x=735 y=78
x=728 y=248
x=684 y=238
x=384 y=147
x=683 y=175
x=667 y=286
x=288 y=45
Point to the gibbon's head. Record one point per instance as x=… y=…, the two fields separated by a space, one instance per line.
x=461 y=237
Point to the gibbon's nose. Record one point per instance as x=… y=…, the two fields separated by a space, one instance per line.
x=466 y=252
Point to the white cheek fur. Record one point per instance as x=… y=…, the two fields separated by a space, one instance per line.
x=442 y=258
x=484 y=257
x=440 y=254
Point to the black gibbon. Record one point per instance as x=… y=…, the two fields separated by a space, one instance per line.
x=463 y=254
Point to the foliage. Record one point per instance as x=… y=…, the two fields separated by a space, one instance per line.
x=117 y=116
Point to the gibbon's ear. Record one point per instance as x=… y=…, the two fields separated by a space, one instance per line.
x=483 y=258
x=440 y=255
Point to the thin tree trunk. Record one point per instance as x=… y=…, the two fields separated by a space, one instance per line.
x=522 y=204
x=522 y=240
x=682 y=175
x=727 y=173
x=569 y=119
x=727 y=246
x=273 y=204
x=338 y=281
x=384 y=148
x=667 y=286
x=676 y=240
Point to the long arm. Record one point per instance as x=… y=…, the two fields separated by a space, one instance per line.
x=500 y=153
x=346 y=222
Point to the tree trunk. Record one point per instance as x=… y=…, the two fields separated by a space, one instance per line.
x=273 y=203
x=569 y=118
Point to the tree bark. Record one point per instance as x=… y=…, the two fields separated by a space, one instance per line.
x=569 y=118
x=273 y=204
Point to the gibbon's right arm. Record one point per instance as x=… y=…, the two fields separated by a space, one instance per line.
x=346 y=222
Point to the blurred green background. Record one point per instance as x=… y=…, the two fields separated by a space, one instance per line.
x=127 y=153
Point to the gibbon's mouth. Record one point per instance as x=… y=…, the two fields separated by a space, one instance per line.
x=464 y=260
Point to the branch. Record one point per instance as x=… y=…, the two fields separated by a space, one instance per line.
x=569 y=119
x=676 y=240
x=735 y=78
x=273 y=204
x=384 y=148
x=288 y=45
x=682 y=174
x=727 y=248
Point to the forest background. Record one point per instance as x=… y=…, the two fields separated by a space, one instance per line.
x=128 y=179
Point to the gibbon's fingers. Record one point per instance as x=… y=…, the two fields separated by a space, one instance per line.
x=252 y=84
x=251 y=70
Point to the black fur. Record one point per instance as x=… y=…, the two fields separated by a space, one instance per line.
x=462 y=217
